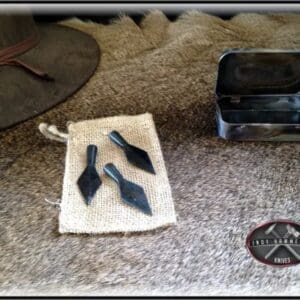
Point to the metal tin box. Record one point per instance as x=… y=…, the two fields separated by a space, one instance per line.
x=258 y=95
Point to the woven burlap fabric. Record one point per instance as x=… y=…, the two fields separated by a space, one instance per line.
x=107 y=213
x=221 y=189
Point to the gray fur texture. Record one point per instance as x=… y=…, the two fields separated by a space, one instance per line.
x=221 y=189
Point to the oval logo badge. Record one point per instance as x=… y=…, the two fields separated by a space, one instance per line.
x=275 y=243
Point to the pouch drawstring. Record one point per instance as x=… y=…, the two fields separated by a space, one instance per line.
x=51 y=132
x=53 y=203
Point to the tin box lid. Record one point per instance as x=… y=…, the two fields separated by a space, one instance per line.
x=258 y=72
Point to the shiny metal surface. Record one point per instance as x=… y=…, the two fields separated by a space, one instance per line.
x=258 y=95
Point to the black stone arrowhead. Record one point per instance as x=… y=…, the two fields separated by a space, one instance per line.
x=131 y=193
x=135 y=155
x=89 y=181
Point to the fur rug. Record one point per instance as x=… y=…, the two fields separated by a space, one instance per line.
x=221 y=189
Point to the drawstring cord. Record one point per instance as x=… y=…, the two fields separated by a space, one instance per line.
x=51 y=132
x=55 y=204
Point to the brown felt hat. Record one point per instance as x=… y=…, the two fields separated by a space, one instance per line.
x=40 y=66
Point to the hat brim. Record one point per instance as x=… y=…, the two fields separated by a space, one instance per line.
x=67 y=55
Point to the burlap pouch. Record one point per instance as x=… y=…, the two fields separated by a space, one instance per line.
x=107 y=213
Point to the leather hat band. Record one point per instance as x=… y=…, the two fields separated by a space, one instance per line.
x=8 y=56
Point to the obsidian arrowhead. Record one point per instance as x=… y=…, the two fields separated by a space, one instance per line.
x=131 y=193
x=134 y=195
x=89 y=181
x=136 y=156
x=139 y=158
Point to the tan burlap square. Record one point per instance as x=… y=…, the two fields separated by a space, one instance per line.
x=108 y=213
